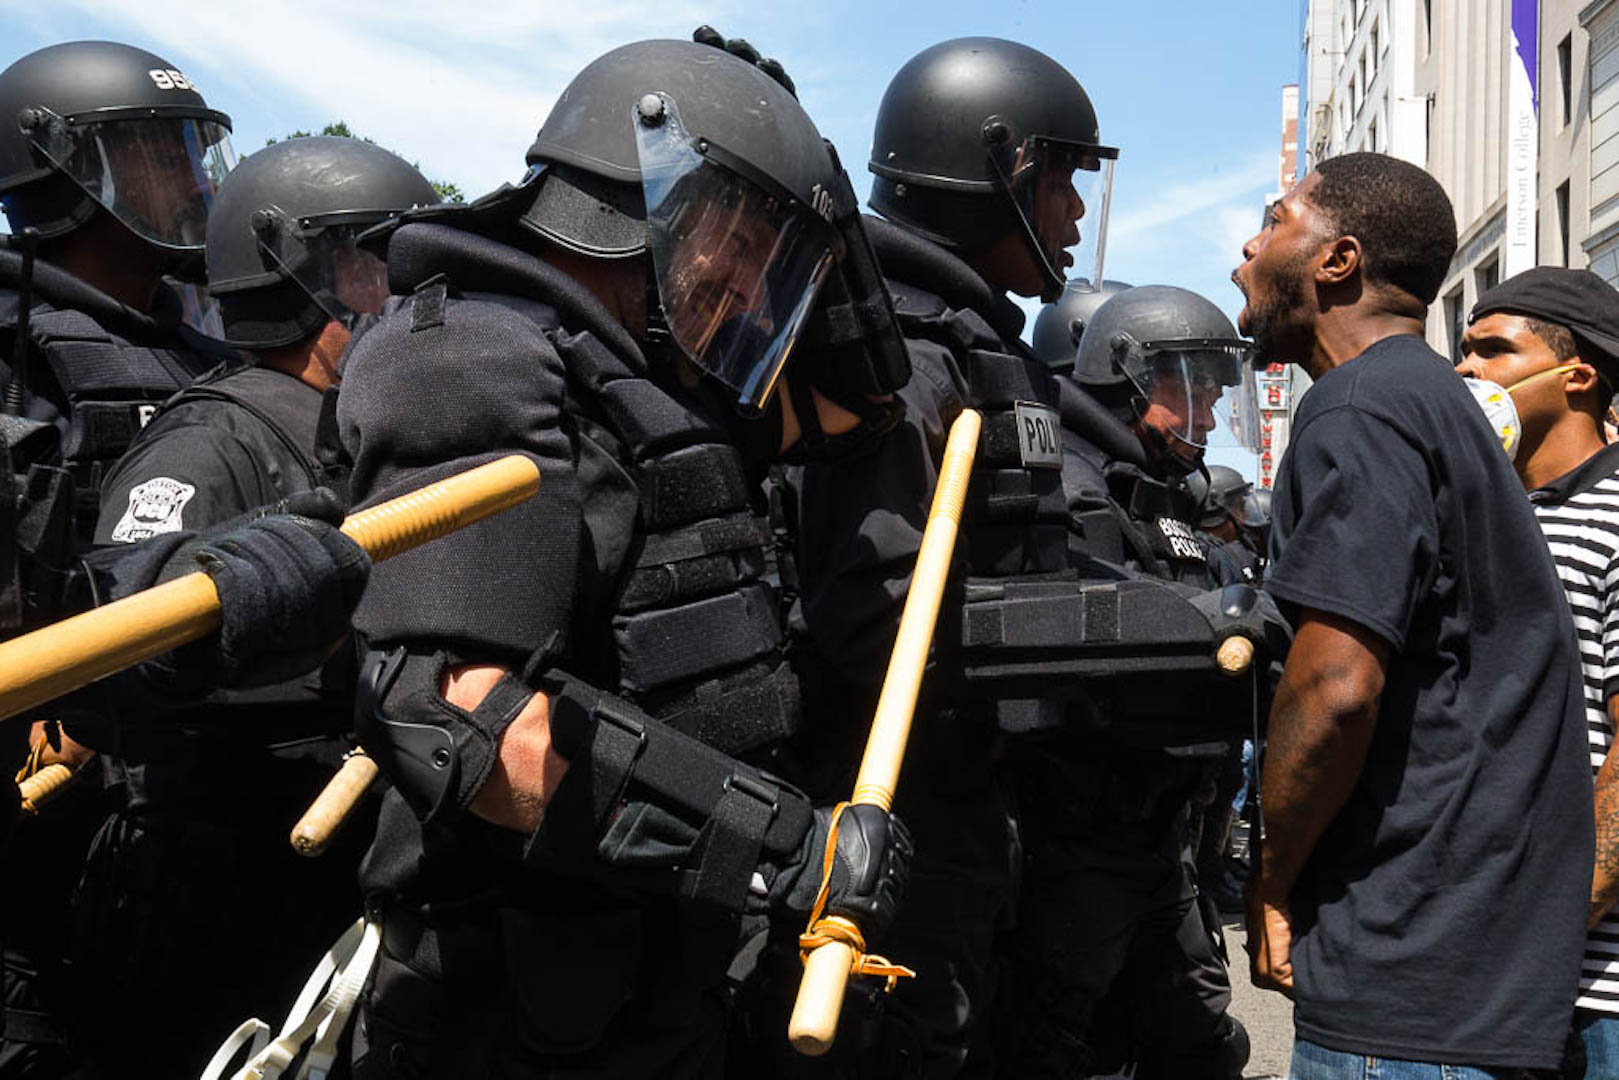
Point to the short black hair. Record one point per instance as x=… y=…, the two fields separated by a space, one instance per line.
x=1556 y=337
x=1401 y=216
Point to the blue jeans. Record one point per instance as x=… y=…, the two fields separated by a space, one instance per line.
x=1312 y=1062
x=1600 y=1033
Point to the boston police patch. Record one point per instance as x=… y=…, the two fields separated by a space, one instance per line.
x=154 y=507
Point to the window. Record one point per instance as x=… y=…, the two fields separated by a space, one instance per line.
x=1562 y=219
x=1456 y=320
x=1376 y=49
x=1565 y=78
x=1371 y=137
x=1427 y=136
x=1488 y=276
x=1427 y=26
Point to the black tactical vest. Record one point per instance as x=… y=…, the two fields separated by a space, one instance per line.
x=695 y=632
x=1015 y=518
x=98 y=386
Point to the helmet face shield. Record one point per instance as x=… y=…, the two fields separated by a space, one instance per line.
x=344 y=279
x=738 y=265
x=1063 y=192
x=156 y=174
x=1255 y=512
x=1182 y=381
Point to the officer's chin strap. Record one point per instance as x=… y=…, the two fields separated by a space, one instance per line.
x=827 y=929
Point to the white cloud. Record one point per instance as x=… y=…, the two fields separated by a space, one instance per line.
x=1167 y=205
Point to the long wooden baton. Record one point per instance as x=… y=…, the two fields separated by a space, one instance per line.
x=64 y=656
x=827 y=967
x=334 y=804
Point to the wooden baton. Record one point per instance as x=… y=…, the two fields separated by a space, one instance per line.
x=827 y=967
x=43 y=786
x=334 y=804
x=1235 y=656
x=64 y=656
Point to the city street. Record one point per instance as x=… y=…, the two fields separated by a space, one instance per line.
x=1267 y=1016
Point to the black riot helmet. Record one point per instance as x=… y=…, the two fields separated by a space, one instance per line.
x=1164 y=356
x=709 y=167
x=1059 y=325
x=978 y=136
x=1223 y=495
x=96 y=123
x=282 y=257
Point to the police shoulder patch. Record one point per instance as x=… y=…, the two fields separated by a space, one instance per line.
x=156 y=506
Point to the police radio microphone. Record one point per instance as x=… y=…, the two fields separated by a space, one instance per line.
x=19 y=344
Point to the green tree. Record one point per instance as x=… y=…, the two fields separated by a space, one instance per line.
x=447 y=190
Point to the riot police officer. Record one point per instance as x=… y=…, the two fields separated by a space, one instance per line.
x=991 y=178
x=1226 y=501
x=163 y=896
x=1114 y=960
x=108 y=160
x=573 y=700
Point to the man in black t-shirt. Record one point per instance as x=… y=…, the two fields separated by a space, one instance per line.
x=1428 y=838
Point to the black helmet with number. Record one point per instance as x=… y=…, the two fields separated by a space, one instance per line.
x=1158 y=345
x=282 y=257
x=1059 y=325
x=91 y=124
x=980 y=136
x=706 y=164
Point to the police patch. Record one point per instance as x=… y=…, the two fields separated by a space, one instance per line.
x=154 y=507
x=1039 y=433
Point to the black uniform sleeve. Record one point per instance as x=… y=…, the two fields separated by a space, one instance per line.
x=185 y=475
x=862 y=524
x=1356 y=531
x=424 y=398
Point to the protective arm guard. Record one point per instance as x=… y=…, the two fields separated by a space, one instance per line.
x=642 y=804
x=1134 y=655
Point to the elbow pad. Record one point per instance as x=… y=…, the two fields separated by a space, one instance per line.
x=435 y=754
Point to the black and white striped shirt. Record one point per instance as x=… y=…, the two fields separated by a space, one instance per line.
x=1579 y=513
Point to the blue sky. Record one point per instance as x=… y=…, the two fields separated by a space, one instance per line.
x=1190 y=90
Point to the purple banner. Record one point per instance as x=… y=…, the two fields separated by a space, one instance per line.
x=1526 y=39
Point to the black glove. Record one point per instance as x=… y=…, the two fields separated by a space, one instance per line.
x=869 y=870
x=1246 y=611
x=288 y=581
x=739 y=48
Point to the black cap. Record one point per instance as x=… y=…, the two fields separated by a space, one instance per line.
x=1575 y=299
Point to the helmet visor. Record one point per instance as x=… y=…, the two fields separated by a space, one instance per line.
x=1255 y=511
x=157 y=175
x=1182 y=382
x=737 y=265
x=326 y=261
x=1063 y=191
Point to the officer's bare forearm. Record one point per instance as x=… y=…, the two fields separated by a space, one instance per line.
x=1605 y=879
x=1320 y=729
x=528 y=768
